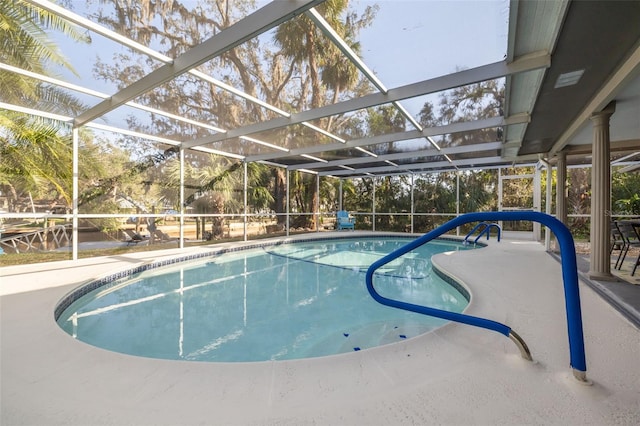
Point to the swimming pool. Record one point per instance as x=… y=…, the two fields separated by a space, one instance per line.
x=273 y=302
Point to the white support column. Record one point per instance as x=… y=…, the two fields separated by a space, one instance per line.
x=75 y=194
x=537 y=201
x=500 y=223
x=340 y=197
x=182 y=206
x=547 y=231
x=458 y=200
x=499 y=189
x=600 y=261
x=373 y=203
x=561 y=188
x=244 y=217
x=287 y=221
x=412 y=206
x=317 y=203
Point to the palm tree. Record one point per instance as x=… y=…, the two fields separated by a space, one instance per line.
x=36 y=153
x=24 y=43
x=33 y=153
x=304 y=44
x=327 y=70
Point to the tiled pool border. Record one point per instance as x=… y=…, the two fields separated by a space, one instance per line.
x=452 y=282
x=113 y=279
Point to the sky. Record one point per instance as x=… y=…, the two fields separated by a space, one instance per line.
x=409 y=41
x=414 y=40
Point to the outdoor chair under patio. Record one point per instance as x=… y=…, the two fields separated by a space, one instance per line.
x=618 y=242
x=163 y=237
x=132 y=237
x=344 y=220
x=632 y=240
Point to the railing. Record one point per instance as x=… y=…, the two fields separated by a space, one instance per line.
x=485 y=230
x=569 y=276
x=38 y=240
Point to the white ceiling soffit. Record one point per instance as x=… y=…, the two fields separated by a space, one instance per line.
x=624 y=124
x=626 y=77
x=533 y=26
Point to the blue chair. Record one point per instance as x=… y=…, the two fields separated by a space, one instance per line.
x=344 y=220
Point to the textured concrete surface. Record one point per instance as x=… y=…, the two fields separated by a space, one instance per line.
x=455 y=375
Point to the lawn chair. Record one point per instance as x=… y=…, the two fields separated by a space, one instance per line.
x=632 y=239
x=132 y=237
x=345 y=221
x=162 y=236
x=618 y=242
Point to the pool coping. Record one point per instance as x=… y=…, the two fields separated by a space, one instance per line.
x=455 y=375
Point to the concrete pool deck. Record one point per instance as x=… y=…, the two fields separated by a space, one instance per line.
x=455 y=375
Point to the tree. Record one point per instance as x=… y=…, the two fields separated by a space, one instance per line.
x=36 y=153
x=25 y=44
x=248 y=67
x=254 y=67
x=318 y=59
x=392 y=196
x=434 y=193
x=324 y=68
x=625 y=192
x=382 y=120
x=427 y=116
x=359 y=199
x=35 y=158
x=466 y=103
x=579 y=200
x=478 y=191
x=391 y=191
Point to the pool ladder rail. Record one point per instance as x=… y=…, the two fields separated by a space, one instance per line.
x=569 y=278
x=485 y=230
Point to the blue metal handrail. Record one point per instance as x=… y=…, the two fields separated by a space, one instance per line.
x=485 y=230
x=569 y=277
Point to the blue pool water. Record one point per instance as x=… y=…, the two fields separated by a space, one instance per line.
x=276 y=302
